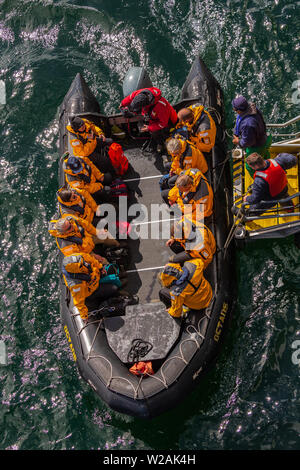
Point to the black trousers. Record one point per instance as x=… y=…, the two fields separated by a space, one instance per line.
x=261 y=207
x=164 y=194
x=104 y=291
x=160 y=136
x=104 y=194
x=180 y=254
x=100 y=156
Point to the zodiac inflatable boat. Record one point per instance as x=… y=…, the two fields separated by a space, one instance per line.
x=180 y=350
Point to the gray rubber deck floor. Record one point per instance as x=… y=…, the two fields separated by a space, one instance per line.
x=149 y=252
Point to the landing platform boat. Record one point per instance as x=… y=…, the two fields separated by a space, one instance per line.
x=283 y=219
x=181 y=351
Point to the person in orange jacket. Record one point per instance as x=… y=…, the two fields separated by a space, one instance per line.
x=85 y=136
x=86 y=278
x=198 y=126
x=81 y=173
x=191 y=239
x=184 y=286
x=74 y=234
x=184 y=156
x=78 y=202
x=192 y=194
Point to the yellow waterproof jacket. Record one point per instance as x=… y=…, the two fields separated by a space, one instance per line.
x=190 y=157
x=84 y=206
x=87 y=179
x=187 y=286
x=85 y=143
x=199 y=197
x=81 y=273
x=197 y=240
x=202 y=131
x=80 y=238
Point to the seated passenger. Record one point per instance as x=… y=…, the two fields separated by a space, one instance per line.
x=184 y=286
x=191 y=240
x=86 y=134
x=82 y=175
x=78 y=202
x=82 y=274
x=185 y=156
x=192 y=193
x=270 y=180
x=149 y=102
x=74 y=234
x=199 y=126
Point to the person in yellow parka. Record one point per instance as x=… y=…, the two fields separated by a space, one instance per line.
x=185 y=156
x=82 y=175
x=86 y=136
x=184 y=286
x=191 y=240
x=192 y=194
x=102 y=236
x=74 y=234
x=78 y=202
x=196 y=123
x=82 y=273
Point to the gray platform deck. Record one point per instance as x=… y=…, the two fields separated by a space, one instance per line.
x=148 y=255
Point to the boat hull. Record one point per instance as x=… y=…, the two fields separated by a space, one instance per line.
x=203 y=333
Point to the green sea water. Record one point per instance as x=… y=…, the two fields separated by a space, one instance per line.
x=250 y=400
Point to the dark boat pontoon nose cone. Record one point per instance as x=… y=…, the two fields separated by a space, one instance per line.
x=79 y=98
x=207 y=89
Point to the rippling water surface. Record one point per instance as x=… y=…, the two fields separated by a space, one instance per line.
x=250 y=399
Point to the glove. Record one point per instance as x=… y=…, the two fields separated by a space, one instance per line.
x=126 y=113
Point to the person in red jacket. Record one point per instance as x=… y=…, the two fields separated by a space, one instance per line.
x=161 y=116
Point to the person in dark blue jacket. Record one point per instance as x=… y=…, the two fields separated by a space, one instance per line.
x=250 y=129
x=270 y=180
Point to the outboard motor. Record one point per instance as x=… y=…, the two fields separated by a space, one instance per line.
x=135 y=79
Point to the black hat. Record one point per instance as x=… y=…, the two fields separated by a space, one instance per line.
x=141 y=100
x=76 y=123
x=74 y=164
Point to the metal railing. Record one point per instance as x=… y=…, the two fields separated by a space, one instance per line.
x=285 y=124
x=291 y=136
x=276 y=207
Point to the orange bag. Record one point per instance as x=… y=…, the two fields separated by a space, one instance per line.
x=142 y=368
x=117 y=158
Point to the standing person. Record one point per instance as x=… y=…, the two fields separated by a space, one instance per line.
x=250 y=131
x=154 y=107
x=270 y=180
